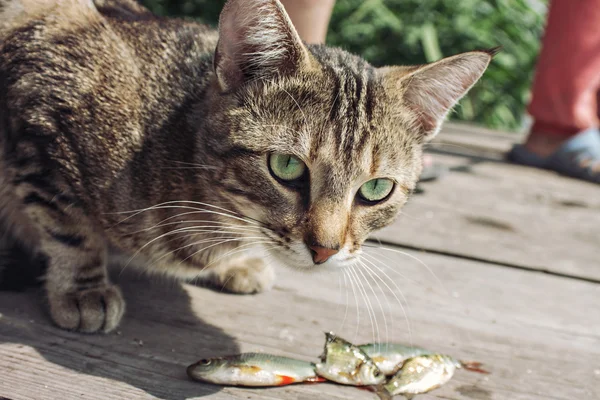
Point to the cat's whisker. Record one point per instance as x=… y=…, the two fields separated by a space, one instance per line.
x=351 y=279
x=171 y=204
x=330 y=110
x=208 y=240
x=192 y=164
x=232 y=214
x=340 y=291
x=346 y=290
x=172 y=232
x=178 y=168
x=228 y=213
x=366 y=281
x=192 y=232
x=371 y=273
x=138 y=251
x=235 y=251
x=375 y=323
x=416 y=259
x=343 y=287
x=381 y=270
x=217 y=244
x=220 y=226
x=298 y=105
x=217 y=229
x=163 y=256
x=196 y=210
x=160 y=207
x=405 y=311
x=394 y=270
x=180 y=215
x=179 y=238
x=364 y=295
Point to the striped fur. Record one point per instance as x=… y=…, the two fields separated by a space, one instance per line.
x=131 y=138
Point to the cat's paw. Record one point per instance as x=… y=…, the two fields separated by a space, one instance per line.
x=92 y=310
x=245 y=276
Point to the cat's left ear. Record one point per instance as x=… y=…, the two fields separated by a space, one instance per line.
x=257 y=40
x=430 y=91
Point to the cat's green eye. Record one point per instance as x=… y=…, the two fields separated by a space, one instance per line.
x=376 y=189
x=286 y=167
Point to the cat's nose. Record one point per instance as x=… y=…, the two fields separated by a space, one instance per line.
x=322 y=254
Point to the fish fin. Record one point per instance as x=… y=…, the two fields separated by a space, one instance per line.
x=285 y=380
x=473 y=366
x=380 y=391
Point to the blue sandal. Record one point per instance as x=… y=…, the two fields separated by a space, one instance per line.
x=578 y=157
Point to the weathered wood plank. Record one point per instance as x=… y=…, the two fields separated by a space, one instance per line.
x=538 y=334
x=507 y=214
x=475 y=140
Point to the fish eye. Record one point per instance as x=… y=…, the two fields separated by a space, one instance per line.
x=205 y=362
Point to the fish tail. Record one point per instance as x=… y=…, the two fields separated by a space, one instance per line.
x=473 y=366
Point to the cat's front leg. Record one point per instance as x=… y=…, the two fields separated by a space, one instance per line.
x=79 y=293
x=243 y=275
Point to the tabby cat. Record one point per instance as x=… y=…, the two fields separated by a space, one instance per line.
x=158 y=143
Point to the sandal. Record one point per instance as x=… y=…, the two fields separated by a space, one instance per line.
x=578 y=157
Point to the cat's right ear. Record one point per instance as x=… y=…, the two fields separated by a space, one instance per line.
x=430 y=91
x=256 y=41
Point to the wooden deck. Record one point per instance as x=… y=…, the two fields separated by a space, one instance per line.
x=512 y=279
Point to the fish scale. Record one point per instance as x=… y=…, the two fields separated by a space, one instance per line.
x=422 y=374
x=253 y=369
x=342 y=362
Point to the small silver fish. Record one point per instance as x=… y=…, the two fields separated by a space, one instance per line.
x=389 y=356
x=253 y=369
x=424 y=373
x=342 y=362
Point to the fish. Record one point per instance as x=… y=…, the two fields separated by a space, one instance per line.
x=253 y=370
x=424 y=373
x=389 y=356
x=345 y=363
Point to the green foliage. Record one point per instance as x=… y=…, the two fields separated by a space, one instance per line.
x=401 y=32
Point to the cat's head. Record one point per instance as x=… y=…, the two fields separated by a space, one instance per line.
x=320 y=146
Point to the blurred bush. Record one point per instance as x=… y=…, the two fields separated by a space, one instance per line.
x=388 y=32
